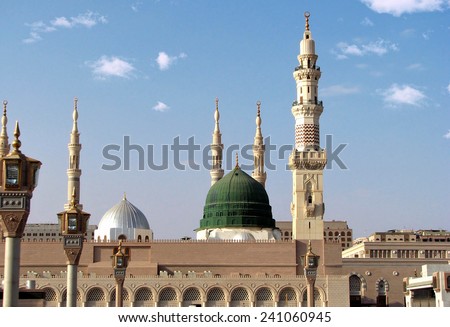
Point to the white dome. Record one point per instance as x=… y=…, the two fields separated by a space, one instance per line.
x=123 y=220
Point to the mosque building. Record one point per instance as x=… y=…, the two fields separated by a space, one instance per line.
x=241 y=255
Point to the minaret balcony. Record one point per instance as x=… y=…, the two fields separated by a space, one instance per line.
x=308 y=160
x=307 y=108
x=307 y=101
x=301 y=67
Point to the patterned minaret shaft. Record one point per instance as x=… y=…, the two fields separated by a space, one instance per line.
x=4 y=143
x=308 y=160
x=258 y=150
x=74 y=171
x=216 y=149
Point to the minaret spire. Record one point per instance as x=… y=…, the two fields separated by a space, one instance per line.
x=216 y=149
x=4 y=143
x=308 y=159
x=259 y=149
x=74 y=171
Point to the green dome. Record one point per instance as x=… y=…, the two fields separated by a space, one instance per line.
x=237 y=200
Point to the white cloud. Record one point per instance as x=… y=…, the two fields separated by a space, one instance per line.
x=409 y=32
x=399 y=7
x=62 y=22
x=415 y=66
x=34 y=37
x=349 y=49
x=426 y=35
x=88 y=19
x=161 y=106
x=164 y=61
x=447 y=135
x=135 y=6
x=111 y=66
x=339 y=90
x=379 y=47
x=403 y=94
x=366 y=22
x=36 y=29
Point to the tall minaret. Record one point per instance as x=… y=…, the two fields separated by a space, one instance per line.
x=4 y=143
x=216 y=149
x=258 y=150
x=308 y=159
x=74 y=171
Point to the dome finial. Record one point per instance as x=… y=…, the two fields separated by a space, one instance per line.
x=124 y=196
x=307 y=14
x=237 y=160
x=16 y=143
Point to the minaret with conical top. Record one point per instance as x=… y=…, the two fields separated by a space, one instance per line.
x=74 y=171
x=258 y=150
x=216 y=149
x=308 y=159
x=4 y=143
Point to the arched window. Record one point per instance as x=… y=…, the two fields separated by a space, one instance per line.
x=287 y=298
x=96 y=298
x=143 y=294
x=355 y=291
x=355 y=285
x=216 y=294
x=168 y=297
x=264 y=297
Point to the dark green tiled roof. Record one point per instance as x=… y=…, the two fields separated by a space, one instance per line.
x=237 y=200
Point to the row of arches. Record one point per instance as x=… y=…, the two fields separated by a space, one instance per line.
x=170 y=296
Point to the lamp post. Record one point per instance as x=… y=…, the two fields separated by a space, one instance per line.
x=18 y=178
x=120 y=263
x=73 y=224
x=310 y=263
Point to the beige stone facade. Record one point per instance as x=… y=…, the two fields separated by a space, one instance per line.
x=214 y=269
x=181 y=273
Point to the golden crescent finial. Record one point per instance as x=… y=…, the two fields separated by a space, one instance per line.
x=5 y=103
x=258 y=105
x=307 y=14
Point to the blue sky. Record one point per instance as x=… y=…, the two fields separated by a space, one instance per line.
x=151 y=70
